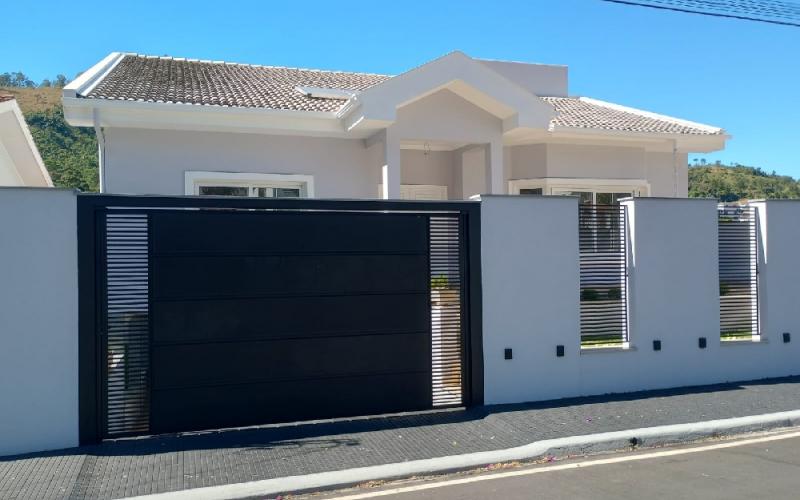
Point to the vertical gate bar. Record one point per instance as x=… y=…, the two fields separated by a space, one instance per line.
x=150 y=274
x=88 y=404
x=102 y=319
x=474 y=305
x=463 y=300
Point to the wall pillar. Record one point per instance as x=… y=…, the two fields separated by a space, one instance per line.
x=390 y=171
x=494 y=167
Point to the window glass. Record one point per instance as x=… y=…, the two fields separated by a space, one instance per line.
x=585 y=197
x=604 y=198
x=530 y=191
x=223 y=190
x=275 y=192
x=287 y=192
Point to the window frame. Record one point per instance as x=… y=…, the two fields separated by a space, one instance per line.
x=194 y=180
x=550 y=186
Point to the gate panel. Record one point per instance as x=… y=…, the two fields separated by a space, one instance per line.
x=299 y=331
x=199 y=313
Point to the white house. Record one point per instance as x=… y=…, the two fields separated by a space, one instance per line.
x=449 y=129
x=20 y=163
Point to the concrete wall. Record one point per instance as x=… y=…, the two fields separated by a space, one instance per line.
x=38 y=320
x=531 y=300
x=530 y=279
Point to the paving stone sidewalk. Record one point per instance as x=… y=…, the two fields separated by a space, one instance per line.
x=154 y=465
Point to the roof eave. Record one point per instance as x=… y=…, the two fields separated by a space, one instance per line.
x=82 y=112
x=701 y=143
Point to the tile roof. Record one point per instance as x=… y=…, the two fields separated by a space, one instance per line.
x=165 y=79
x=214 y=83
x=582 y=112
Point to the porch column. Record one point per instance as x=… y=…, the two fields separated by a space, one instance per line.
x=391 y=166
x=494 y=167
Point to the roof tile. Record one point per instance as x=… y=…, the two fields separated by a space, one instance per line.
x=579 y=112
x=163 y=79
x=207 y=83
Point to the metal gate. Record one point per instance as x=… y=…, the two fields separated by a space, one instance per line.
x=201 y=313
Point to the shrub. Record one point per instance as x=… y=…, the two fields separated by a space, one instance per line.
x=589 y=294
x=440 y=282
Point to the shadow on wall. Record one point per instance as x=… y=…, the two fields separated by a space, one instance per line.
x=323 y=435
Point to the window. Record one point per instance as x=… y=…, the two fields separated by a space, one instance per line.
x=589 y=191
x=737 y=228
x=596 y=198
x=250 y=185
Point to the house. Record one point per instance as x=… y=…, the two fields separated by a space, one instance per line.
x=449 y=129
x=20 y=163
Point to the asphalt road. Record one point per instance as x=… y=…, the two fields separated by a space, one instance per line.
x=747 y=469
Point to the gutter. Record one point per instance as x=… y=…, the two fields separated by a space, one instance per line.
x=101 y=151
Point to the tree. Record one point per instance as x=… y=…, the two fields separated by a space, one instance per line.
x=61 y=81
x=46 y=83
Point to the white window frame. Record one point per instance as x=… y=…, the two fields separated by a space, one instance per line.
x=406 y=190
x=554 y=185
x=194 y=179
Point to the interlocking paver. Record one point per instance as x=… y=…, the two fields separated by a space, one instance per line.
x=170 y=463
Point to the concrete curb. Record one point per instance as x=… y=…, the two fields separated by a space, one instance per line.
x=574 y=445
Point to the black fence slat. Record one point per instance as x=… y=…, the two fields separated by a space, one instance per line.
x=738 y=272
x=603 y=275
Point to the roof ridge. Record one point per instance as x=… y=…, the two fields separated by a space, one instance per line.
x=228 y=63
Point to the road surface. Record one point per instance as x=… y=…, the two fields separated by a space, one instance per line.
x=754 y=467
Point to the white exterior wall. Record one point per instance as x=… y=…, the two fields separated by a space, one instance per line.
x=145 y=161
x=539 y=79
x=431 y=167
x=578 y=161
x=531 y=300
x=38 y=320
x=530 y=280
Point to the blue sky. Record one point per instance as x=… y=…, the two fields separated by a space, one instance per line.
x=740 y=75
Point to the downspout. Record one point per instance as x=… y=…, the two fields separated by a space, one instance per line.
x=101 y=151
x=675 y=165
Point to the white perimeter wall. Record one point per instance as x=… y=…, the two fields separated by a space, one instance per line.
x=38 y=320
x=531 y=301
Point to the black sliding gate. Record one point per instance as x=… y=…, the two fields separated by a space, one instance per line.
x=202 y=313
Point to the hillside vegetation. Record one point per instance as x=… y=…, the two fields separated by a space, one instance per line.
x=69 y=153
x=739 y=182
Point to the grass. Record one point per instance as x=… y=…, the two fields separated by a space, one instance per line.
x=36 y=100
x=610 y=340
x=739 y=335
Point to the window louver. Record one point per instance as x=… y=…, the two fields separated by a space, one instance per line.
x=603 y=275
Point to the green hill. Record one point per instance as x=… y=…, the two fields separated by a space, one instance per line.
x=69 y=153
x=739 y=182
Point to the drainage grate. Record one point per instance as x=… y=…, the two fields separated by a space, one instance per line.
x=446 y=309
x=738 y=272
x=603 y=273
x=127 y=339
